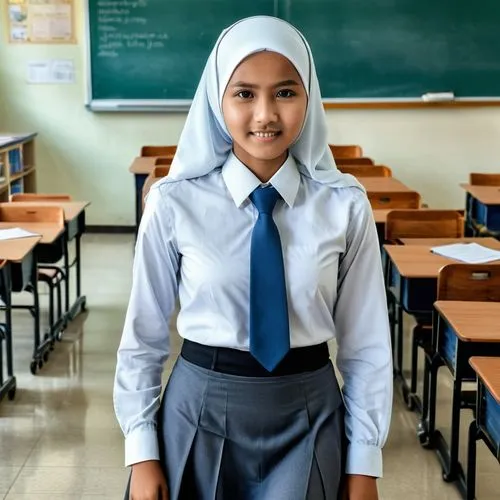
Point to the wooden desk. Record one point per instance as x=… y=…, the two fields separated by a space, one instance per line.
x=462 y=330
x=17 y=250
x=417 y=261
x=74 y=215
x=384 y=185
x=411 y=277
x=489 y=195
x=472 y=321
x=483 y=207
x=21 y=268
x=488 y=370
x=486 y=426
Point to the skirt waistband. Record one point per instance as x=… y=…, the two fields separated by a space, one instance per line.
x=242 y=363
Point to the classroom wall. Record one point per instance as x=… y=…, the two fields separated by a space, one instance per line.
x=88 y=154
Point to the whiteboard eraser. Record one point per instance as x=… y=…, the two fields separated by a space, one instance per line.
x=438 y=97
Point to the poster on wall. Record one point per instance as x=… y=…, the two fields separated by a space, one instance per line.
x=41 y=21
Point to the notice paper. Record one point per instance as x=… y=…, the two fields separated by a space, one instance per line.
x=471 y=253
x=51 y=71
x=14 y=233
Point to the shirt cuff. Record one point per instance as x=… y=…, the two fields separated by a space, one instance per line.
x=365 y=460
x=141 y=445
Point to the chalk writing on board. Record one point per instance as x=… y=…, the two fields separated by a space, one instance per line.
x=114 y=14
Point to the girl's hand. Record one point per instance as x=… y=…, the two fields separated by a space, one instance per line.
x=148 y=482
x=360 y=488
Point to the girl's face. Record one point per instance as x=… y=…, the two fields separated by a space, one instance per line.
x=264 y=107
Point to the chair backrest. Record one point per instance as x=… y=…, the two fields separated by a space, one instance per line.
x=474 y=282
x=354 y=161
x=384 y=200
x=164 y=161
x=346 y=151
x=161 y=171
x=366 y=170
x=12 y=212
x=478 y=179
x=424 y=224
x=158 y=150
x=39 y=197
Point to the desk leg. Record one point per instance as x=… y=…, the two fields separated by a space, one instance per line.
x=474 y=435
x=468 y=230
x=67 y=273
x=40 y=349
x=448 y=455
x=81 y=301
x=7 y=386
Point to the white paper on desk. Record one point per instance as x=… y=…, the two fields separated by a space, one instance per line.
x=5 y=139
x=15 y=232
x=471 y=253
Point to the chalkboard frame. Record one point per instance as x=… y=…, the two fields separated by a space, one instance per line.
x=183 y=105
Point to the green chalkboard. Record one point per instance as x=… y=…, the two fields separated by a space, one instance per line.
x=151 y=53
x=156 y=49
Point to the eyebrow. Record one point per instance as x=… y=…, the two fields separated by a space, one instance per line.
x=284 y=83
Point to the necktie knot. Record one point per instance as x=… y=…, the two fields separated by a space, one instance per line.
x=264 y=199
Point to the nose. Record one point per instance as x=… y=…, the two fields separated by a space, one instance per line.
x=265 y=111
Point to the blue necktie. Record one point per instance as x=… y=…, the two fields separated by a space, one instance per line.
x=269 y=329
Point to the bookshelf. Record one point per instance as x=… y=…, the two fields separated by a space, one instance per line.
x=17 y=165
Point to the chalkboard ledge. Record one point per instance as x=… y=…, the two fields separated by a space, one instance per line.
x=141 y=106
x=161 y=106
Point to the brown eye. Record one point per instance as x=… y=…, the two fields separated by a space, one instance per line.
x=286 y=94
x=244 y=94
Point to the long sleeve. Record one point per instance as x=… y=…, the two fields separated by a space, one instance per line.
x=144 y=345
x=364 y=353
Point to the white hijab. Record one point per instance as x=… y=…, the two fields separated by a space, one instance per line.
x=205 y=143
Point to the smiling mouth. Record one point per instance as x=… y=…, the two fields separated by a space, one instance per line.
x=266 y=136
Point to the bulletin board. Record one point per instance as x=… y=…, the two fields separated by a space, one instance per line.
x=40 y=21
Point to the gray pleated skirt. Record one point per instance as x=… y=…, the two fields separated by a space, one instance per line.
x=226 y=437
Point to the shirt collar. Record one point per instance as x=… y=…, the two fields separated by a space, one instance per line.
x=241 y=181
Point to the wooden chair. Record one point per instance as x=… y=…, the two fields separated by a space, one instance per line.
x=423 y=224
x=388 y=200
x=479 y=179
x=366 y=170
x=11 y=212
x=346 y=151
x=39 y=197
x=164 y=161
x=469 y=282
x=158 y=150
x=354 y=161
x=48 y=272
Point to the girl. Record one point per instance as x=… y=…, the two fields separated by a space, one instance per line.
x=273 y=252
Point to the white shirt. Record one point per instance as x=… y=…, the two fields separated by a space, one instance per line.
x=194 y=241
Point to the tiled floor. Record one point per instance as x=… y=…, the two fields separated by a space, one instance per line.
x=59 y=439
